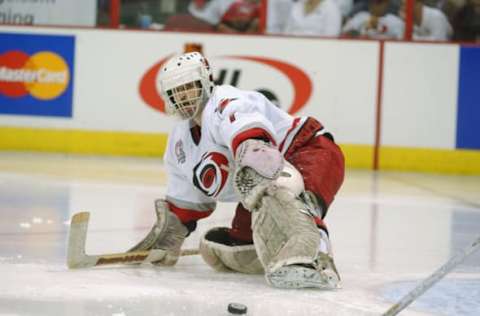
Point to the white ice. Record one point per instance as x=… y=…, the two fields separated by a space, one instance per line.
x=389 y=232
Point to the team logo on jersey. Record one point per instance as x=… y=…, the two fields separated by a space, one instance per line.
x=211 y=173
x=179 y=152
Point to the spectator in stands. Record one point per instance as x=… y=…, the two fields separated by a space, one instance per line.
x=377 y=22
x=346 y=7
x=314 y=17
x=430 y=24
x=227 y=15
x=466 y=23
x=209 y=11
x=362 y=5
x=278 y=12
x=449 y=7
x=241 y=16
x=201 y=15
x=103 y=12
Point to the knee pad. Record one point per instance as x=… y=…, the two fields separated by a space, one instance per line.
x=223 y=253
x=291 y=179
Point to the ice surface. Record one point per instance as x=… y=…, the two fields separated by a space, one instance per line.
x=389 y=231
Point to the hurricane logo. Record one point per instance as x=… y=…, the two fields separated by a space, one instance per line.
x=211 y=173
x=44 y=75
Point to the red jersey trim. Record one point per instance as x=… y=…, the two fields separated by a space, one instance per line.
x=186 y=215
x=256 y=132
x=296 y=121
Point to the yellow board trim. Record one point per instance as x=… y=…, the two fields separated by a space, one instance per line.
x=153 y=145
x=430 y=160
x=358 y=156
x=83 y=142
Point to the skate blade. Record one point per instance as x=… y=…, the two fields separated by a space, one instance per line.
x=298 y=277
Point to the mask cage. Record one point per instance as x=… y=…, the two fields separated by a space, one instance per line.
x=186 y=99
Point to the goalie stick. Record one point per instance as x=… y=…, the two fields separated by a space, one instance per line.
x=77 y=258
x=432 y=279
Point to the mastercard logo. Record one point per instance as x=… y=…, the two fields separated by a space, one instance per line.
x=44 y=75
x=299 y=80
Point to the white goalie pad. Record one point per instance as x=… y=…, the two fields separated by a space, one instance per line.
x=222 y=255
x=282 y=233
x=288 y=243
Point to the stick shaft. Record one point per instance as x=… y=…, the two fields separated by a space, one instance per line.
x=77 y=258
x=137 y=256
x=432 y=279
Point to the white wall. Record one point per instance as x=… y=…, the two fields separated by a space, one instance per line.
x=420 y=95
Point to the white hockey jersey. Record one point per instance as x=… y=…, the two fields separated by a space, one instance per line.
x=200 y=160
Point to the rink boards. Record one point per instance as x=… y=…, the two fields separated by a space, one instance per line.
x=415 y=102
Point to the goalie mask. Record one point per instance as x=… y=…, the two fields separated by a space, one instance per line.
x=186 y=83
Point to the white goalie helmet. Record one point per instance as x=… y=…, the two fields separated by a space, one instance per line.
x=185 y=83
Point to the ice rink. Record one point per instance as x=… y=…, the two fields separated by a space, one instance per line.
x=389 y=231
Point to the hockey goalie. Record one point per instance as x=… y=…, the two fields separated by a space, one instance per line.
x=232 y=145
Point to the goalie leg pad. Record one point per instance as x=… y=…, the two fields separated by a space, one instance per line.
x=222 y=253
x=282 y=233
x=287 y=242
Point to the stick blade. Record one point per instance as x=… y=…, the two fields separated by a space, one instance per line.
x=80 y=218
x=77 y=239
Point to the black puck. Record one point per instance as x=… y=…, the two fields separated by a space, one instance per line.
x=237 y=309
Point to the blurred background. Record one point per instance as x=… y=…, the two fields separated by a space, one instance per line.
x=438 y=20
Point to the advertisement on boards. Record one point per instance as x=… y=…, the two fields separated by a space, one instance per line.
x=36 y=74
x=48 y=12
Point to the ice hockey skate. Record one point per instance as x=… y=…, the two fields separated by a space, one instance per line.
x=322 y=274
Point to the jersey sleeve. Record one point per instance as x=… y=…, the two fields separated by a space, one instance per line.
x=184 y=199
x=241 y=118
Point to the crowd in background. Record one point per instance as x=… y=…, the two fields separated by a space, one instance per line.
x=434 y=20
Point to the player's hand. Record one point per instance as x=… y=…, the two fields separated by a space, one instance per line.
x=168 y=234
x=258 y=164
